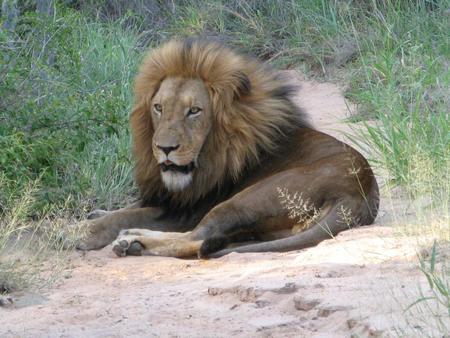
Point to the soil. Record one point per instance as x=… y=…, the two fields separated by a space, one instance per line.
x=356 y=285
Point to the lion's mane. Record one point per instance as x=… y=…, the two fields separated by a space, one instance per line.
x=252 y=108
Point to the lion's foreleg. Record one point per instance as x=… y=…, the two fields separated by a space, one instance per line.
x=241 y=210
x=102 y=231
x=141 y=242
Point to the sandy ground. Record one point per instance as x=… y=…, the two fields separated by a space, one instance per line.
x=356 y=285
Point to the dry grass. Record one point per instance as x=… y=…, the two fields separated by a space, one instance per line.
x=32 y=253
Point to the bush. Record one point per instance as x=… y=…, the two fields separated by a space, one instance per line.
x=66 y=84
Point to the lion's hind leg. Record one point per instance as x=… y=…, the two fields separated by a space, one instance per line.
x=143 y=242
x=333 y=219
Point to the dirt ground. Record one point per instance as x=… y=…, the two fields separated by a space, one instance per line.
x=356 y=285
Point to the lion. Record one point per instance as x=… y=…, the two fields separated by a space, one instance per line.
x=215 y=136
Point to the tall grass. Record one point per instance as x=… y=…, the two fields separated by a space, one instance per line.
x=401 y=81
x=32 y=253
x=435 y=300
x=66 y=88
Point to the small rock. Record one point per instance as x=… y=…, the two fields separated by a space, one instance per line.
x=324 y=312
x=302 y=304
x=214 y=291
x=351 y=323
x=6 y=301
x=287 y=288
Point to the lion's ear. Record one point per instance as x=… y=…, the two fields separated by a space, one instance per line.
x=243 y=84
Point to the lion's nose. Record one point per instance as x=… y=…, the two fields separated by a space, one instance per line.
x=167 y=150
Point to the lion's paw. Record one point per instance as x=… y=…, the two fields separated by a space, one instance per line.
x=211 y=245
x=127 y=245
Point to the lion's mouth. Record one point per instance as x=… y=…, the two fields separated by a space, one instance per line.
x=169 y=165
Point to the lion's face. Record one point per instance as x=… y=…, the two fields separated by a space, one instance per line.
x=182 y=118
x=210 y=115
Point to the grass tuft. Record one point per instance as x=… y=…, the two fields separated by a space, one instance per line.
x=435 y=300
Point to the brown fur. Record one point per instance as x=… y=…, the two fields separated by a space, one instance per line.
x=257 y=140
x=250 y=114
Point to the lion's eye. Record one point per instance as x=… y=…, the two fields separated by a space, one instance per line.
x=158 y=108
x=194 y=111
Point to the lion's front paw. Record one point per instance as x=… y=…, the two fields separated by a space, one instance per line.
x=155 y=243
x=127 y=245
x=96 y=235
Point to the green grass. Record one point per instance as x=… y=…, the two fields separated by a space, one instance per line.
x=436 y=299
x=65 y=84
x=401 y=81
x=66 y=88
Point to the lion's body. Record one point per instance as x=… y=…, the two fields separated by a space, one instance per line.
x=216 y=138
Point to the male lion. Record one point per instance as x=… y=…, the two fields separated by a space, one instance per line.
x=215 y=137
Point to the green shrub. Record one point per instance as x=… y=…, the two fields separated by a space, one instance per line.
x=66 y=84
